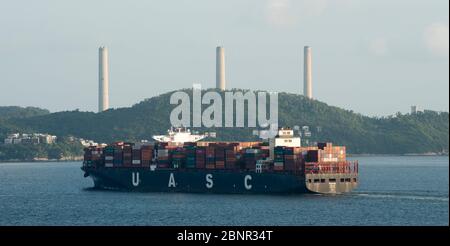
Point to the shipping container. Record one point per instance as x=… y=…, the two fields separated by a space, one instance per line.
x=278 y=166
x=220 y=164
x=163 y=152
x=312 y=156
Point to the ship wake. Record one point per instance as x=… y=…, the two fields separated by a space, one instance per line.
x=401 y=196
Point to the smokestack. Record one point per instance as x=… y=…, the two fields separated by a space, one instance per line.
x=307 y=73
x=220 y=68
x=103 y=79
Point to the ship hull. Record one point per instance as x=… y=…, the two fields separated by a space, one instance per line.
x=196 y=181
x=219 y=181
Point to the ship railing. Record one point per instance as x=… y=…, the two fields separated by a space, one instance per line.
x=345 y=167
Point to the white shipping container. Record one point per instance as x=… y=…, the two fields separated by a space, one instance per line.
x=163 y=152
x=109 y=158
x=136 y=162
x=330 y=159
x=108 y=164
x=252 y=151
x=278 y=164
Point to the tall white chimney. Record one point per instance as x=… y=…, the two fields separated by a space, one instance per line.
x=103 y=79
x=307 y=73
x=220 y=68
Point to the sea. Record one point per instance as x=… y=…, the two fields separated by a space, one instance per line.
x=393 y=190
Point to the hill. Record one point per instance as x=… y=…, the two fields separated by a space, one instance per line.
x=411 y=133
x=8 y=112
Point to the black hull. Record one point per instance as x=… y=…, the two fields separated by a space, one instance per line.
x=196 y=181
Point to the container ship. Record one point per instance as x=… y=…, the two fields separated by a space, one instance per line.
x=181 y=162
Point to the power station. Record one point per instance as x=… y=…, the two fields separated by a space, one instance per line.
x=103 y=79
x=307 y=73
x=220 y=68
x=103 y=75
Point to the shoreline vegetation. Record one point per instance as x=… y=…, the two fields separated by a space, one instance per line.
x=422 y=133
x=78 y=158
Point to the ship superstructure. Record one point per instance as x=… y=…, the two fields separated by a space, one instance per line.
x=179 y=136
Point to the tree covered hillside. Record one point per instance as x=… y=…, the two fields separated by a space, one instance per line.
x=417 y=133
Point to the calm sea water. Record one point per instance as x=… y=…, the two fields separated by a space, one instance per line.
x=393 y=191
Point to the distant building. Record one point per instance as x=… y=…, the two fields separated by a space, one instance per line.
x=413 y=109
x=17 y=140
x=25 y=138
x=48 y=139
x=87 y=143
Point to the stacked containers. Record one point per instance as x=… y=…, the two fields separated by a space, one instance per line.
x=163 y=156
x=293 y=158
x=178 y=155
x=327 y=159
x=299 y=159
x=251 y=156
x=312 y=156
x=230 y=157
x=109 y=155
x=289 y=158
x=190 y=156
x=136 y=156
x=118 y=155
x=220 y=157
x=210 y=152
x=265 y=152
x=331 y=153
x=200 y=157
x=127 y=154
x=88 y=157
x=146 y=155
x=278 y=162
x=97 y=156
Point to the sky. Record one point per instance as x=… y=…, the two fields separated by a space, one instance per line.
x=373 y=57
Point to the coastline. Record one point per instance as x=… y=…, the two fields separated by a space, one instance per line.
x=79 y=158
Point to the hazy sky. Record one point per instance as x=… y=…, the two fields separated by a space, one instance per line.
x=373 y=57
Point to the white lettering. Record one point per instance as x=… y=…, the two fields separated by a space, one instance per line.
x=240 y=99
x=212 y=115
x=247 y=185
x=171 y=181
x=194 y=236
x=209 y=181
x=182 y=110
x=135 y=179
x=214 y=110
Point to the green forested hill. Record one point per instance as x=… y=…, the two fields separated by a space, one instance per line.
x=418 y=133
x=7 y=112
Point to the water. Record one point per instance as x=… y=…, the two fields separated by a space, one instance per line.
x=393 y=191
